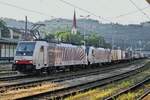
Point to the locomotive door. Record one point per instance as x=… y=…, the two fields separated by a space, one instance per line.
x=41 y=56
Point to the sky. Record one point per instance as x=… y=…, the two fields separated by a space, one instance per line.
x=108 y=10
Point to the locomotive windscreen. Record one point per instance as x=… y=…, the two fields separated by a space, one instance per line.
x=25 y=49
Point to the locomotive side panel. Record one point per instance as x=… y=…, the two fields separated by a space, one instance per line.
x=113 y=55
x=99 y=55
x=119 y=55
x=63 y=56
x=108 y=55
x=116 y=55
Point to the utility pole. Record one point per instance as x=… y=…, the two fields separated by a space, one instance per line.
x=84 y=26
x=26 y=25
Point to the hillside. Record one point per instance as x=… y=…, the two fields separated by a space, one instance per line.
x=136 y=36
x=16 y=23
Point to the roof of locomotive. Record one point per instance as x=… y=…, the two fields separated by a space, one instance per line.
x=26 y=41
x=68 y=45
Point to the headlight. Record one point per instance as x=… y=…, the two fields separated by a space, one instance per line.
x=16 y=61
x=30 y=61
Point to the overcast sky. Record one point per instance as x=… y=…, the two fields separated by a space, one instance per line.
x=108 y=9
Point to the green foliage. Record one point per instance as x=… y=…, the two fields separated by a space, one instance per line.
x=50 y=37
x=93 y=40
x=96 y=40
x=63 y=36
x=78 y=39
x=67 y=37
x=2 y=24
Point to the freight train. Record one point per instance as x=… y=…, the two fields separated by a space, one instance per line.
x=42 y=56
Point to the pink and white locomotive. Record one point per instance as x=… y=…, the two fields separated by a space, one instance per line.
x=44 y=56
x=32 y=56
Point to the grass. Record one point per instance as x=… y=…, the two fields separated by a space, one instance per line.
x=131 y=95
x=134 y=94
x=18 y=93
x=103 y=92
x=97 y=94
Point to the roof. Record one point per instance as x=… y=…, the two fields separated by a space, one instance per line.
x=8 y=41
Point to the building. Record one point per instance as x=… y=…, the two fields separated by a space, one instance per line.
x=8 y=43
x=12 y=35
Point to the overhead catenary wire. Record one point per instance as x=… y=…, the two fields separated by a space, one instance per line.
x=130 y=13
x=43 y=14
x=140 y=10
x=87 y=11
x=119 y=16
x=82 y=9
x=25 y=9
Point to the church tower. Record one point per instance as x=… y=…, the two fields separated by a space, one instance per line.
x=74 y=26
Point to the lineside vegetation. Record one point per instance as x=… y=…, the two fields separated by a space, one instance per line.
x=108 y=90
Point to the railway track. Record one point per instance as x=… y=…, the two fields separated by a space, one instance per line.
x=72 y=88
x=19 y=80
x=39 y=81
x=54 y=78
x=13 y=77
x=132 y=88
x=93 y=70
x=7 y=73
x=62 y=93
x=144 y=95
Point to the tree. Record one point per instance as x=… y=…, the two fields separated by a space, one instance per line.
x=96 y=40
x=63 y=36
x=68 y=37
x=2 y=24
x=78 y=39
x=50 y=37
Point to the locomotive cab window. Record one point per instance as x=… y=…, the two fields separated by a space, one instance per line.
x=25 y=49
